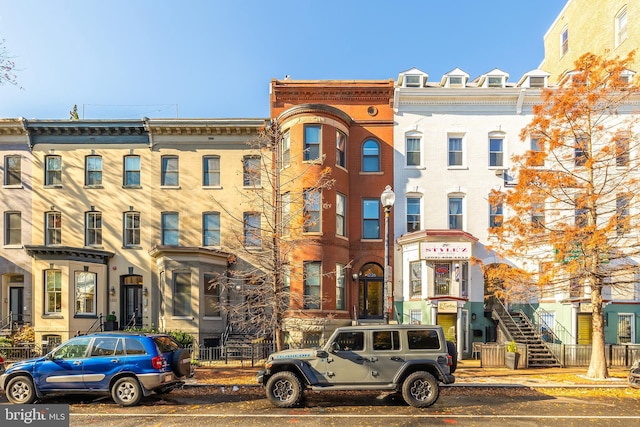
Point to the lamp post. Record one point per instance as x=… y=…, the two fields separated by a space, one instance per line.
x=388 y=198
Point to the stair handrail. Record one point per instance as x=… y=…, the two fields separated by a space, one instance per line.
x=506 y=312
x=225 y=334
x=7 y=323
x=568 y=337
x=528 y=321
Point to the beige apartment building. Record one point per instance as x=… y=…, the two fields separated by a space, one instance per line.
x=118 y=217
x=603 y=27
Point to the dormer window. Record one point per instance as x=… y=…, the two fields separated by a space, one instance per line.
x=455 y=81
x=536 y=81
x=494 y=82
x=412 y=81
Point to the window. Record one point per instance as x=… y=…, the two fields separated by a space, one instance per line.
x=462 y=277
x=455 y=81
x=169 y=176
x=286 y=150
x=536 y=81
x=182 y=294
x=85 y=293
x=455 y=151
x=12 y=170
x=415 y=317
x=350 y=341
x=564 y=41
x=286 y=213
x=312 y=142
x=580 y=155
x=211 y=296
x=170 y=230
x=413 y=151
x=211 y=171
x=12 y=228
x=415 y=279
x=412 y=81
x=455 y=213
x=537 y=215
x=131 y=229
x=312 y=277
x=53 y=232
x=622 y=213
x=53 y=170
x=621 y=26
x=286 y=287
x=341 y=149
x=386 y=340
x=93 y=171
x=423 y=340
x=252 y=235
x=442 y=278
x=537 y=155
x=626 y=328
x=340 y=287
x=131 y=171
x=107 y=347
x=494 y=81
x=413 y=214
x=93 y=228
x=495 y=215
x=371 y=219
x=211 y=229
x=312 y=211
x=251 y=171
x=341 y=214
x=370 y=156
x=496 y=151
x=53 y=289
x=622 y=150
x=581 y=219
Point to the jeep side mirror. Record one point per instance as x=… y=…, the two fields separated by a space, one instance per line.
x=335 y=347
x=321 y=354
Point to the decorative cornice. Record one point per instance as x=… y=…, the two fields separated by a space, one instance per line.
x=68 y=253
x=205 y=127
x=333 y=91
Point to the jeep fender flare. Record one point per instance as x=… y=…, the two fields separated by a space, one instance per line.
x=428 y=365
x=300 y=367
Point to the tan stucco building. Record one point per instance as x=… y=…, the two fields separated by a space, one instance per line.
x=603 y=27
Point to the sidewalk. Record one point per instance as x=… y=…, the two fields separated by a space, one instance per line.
x=470 y=373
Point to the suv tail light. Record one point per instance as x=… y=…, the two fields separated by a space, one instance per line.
x=156 y=362
x=1 y=360
x=450 y=360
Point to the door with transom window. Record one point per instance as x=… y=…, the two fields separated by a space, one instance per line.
x=371 y=292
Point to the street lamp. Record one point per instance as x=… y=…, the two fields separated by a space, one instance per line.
x=388 y=198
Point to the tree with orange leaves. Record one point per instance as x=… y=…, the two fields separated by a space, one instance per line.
x=570 y=221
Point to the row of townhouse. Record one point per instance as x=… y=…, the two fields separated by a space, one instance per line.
x=125 y=217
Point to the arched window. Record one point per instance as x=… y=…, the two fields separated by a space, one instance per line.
x=370 y=156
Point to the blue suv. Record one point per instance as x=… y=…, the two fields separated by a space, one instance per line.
x=127 y=366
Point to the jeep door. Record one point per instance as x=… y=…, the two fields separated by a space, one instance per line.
x=347 y=361
x=386 y=357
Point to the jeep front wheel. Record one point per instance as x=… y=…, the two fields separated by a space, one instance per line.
x=284 y=389
x=420 y=389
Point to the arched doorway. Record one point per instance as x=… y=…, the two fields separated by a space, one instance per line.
x=131 y=308
x=371 y=292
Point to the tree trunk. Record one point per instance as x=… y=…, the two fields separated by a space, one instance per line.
x=598 y=363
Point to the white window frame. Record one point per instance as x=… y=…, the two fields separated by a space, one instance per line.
x=93 y=233
x=85 y=283
x=131 y=235
x=413 y=138
x=495 y=136
x=53 y=173
x=10 y=171
x=53 y=293
x=341 y=281
x=11 y=231
x=409 y=214
x=621 y=26
x=461 y=215
x=53 y=231
x=311 y=289
x=167 y=231
x=341 y=215
x=210 y=176
x=564 y=41
x=462 y=151
x=93 y=170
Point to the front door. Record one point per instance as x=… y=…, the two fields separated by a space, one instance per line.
x=131 y=309
x=16 y=304
x=371 y=292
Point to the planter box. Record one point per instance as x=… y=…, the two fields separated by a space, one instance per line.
x=511 y=360
x=111 y=325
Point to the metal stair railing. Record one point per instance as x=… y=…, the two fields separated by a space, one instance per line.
x=556 y=334
x=503 y=313
x=539 y=337
x=7 y=324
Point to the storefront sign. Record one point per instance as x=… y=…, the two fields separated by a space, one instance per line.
x=445 y=250
x=586 y=307
x=447 y=307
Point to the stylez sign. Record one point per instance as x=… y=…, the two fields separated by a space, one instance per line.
x=35 y=415
x=445 y=250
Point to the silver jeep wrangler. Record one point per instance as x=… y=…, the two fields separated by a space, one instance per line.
x=407 y=359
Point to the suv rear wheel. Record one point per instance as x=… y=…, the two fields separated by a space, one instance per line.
x=126 y=391
x=420 y=389
x=284 y=389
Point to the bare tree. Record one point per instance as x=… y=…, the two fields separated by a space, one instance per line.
x=570 y=220
x=285 y=202
x=7 y=66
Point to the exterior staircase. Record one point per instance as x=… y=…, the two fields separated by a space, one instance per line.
x=519 y=328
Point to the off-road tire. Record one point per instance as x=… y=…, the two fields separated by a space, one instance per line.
x=420 y=389
x=126 y=391
x=284 y=389
x=181 y=362
x=20 y=390
x=451 y=349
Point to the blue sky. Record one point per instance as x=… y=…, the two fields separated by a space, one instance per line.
x=215 y=59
